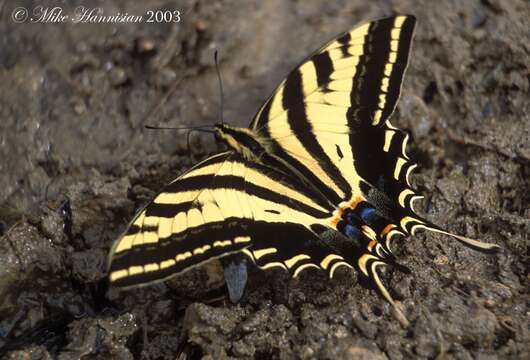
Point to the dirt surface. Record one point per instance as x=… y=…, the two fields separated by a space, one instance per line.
x=76 y=162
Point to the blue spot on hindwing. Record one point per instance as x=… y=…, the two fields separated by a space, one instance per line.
x=351 y=231
x=368 y=215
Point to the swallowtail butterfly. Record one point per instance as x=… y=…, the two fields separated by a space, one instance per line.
x=320 y=178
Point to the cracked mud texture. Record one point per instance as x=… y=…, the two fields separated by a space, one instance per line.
x=76 y=162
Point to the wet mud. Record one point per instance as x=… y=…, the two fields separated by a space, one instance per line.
x=76 y=162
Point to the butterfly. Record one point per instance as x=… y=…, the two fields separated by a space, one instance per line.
x=320 y=178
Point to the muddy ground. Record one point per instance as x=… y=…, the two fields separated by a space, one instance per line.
x=76 y=162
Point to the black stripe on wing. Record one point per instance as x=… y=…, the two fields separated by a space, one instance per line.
x=323 y=67
x=385 y=58
x=226 y=182
x=296 y=167
x=301 y=127
x=156 y=262
x=294 y=248
x=283 y=175
x=399 y=67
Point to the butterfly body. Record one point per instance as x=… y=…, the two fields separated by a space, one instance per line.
x=320 y=179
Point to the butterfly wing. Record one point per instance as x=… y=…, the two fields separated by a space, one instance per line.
x=328 y=121
x=221 y=206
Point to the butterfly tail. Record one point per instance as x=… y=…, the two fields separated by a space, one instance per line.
x=367 y=266
x=403 y=220
x=471 y=243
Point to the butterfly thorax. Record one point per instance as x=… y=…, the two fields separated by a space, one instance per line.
x=243 y=141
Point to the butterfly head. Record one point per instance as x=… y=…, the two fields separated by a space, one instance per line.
x=219 y=132
x=228 y=135
x=242 y=140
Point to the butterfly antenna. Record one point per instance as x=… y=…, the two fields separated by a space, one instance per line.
x=202 y=128
x=220 y=87
x=198 y=128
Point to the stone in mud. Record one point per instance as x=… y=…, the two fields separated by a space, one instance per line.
x=30 y=353
x=25 y=255
x=103 y=338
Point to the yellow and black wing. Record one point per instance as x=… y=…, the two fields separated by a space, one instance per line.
x=224 y=205
x=328 y=122
x=328 y=118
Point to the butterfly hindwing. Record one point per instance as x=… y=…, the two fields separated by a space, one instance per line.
x=291 y=247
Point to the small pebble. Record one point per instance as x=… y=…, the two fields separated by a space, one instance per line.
x=201 y=25
x=307 y=352
x=118 y=76
x=146 y=45
x=441 y=260
x=361 y=353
